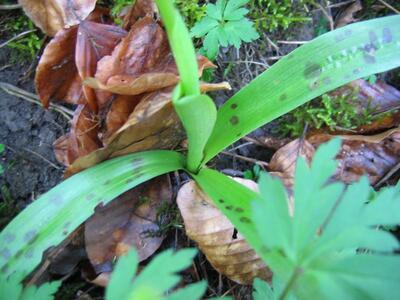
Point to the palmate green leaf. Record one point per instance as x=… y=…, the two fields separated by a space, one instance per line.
x=225 y=24
x=182 y=47
x=262 y=290
x=318 y=244
x=329 y=61
x=11 y=288
x=158 y=277
x=53 y=216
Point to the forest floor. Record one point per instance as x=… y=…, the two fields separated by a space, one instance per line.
x=28 y=132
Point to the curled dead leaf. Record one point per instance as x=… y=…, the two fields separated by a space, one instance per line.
x=94 y=41
x=130 y=221
x=82 y=138
x=373 y=155
x=224 y=247
x=53 y=15
x=57 y=77
x=140 y=9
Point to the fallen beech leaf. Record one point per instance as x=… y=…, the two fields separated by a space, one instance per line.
x=129 y=221
x=118 y=114
x=373 y=156
x=347 y=16
x=224 y=247
x=141 y=62
x=53 y=15
x=140 y=9
x=94 y=41
x=153 y=124
x=283 y=162
x=57 y=77
x=82 y=138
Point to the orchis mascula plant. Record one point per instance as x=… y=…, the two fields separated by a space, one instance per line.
x=327 y=62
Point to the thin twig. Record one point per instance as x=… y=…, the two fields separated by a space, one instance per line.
x=292 y=42
x=10 y=6
x=328 y=16
x=389 y=6
x=241 y=157
x=387 y=175
x=42 y=157
x=18 y=36
x=30 y=97
x=336 y=5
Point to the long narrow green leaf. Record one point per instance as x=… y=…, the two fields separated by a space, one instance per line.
x=53 y=216
x=327 y=62
x=198 y=114
x=182 y=47
x=233 y=199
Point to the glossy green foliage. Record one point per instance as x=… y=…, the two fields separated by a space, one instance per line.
x=182 y=48
x=327 y=62
x=53 y=216
x=155 y=281
x=225 y=24
x=11 y=289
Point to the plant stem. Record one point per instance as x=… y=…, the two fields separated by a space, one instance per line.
x=296 y=273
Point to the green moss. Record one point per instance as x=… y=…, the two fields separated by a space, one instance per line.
x=335 y=112
x=191 y=11
x=28 y=46
x=269 y=15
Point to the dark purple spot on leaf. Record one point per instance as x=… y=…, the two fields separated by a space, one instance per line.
x=233 y=105
x=137 y=161
x=5 y=253
x=234 y=120
x=387 y=35
x=9 y=237
x=67 y=225
x=30 y=235
x=129 y=180
x=18 y=254
x=312 y=70
x=107 y=182
x=369 y=58
x=356 y=71
x=4 y=269
x=239 y=209
x=221 y=200
x=29 y=253
x=283 y=97
x=229 y=207
x=90 y=196
x=327 y=80
x=244 y=220
x=314 y=85
x=373 y=38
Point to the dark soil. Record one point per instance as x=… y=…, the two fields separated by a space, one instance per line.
x=28 y=132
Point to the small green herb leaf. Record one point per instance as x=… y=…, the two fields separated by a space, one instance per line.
x=159 y=276
x=225 y=24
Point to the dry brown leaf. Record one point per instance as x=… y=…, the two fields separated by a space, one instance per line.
x=347 y=16
x=128 y=221
x=140 y=63
x=140 y=9
x=82 y=138
x=153 y=124
x=373 y=156
x=94 y=41
x=57 y=77
x=224 y=247
x=53 y=15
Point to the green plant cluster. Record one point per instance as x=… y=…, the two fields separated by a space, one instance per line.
x=191 y=10
x=314 y=250
x=334 y=112
x=28 y=46
x=270 y=15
